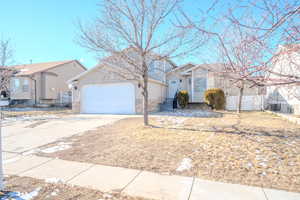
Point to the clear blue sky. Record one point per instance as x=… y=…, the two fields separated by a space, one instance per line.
x=45 y=30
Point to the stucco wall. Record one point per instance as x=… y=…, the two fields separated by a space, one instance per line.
x=19 y=93
x=55 y=85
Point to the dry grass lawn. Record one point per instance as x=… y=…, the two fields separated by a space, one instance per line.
x=254 y=148
x=40 y=190
x=37 y=112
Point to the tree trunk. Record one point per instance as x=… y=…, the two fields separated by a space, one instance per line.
x=239 y=108
x=1 y=162
x=145 y=95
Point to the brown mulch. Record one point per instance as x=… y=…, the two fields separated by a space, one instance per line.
x=253 y=148
x=24 y=185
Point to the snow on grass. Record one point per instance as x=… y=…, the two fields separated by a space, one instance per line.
x=59 y=147
x=190 y=113
x=30 y=195
x=185 y=164
x=53 y=180
x=55 y=192
x=11 y=160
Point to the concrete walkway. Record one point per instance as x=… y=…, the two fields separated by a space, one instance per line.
x=134 y=182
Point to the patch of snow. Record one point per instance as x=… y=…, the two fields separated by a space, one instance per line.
x=30 y=152
x=190 y=113
x=185 y=164
x=55 y=192
x=107 y=196
x=175 y=121
x=263 y=164
x=59 y=147
x=249 y=165
x=30 y=195
x=10 y=120
x=11 y=160
x=53 y=180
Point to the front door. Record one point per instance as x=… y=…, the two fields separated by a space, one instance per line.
x=200 y=86
x=173 y=87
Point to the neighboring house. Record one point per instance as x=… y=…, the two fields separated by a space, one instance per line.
x=43 y=83
x=196 y=79
x=286 y=97
x=102 y=90
x=5 y=74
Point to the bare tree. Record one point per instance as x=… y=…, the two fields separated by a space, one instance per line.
x=240 y=51
x=279 y=22
x=134 y=33
x=6 y=58
x=247 y=36
x=242 y=56
x=6 y=52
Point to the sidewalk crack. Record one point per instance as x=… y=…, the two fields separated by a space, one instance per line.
x=79 y=173
x=131 y=181
x=192 y=186
x=265 y=193
x=36 y=166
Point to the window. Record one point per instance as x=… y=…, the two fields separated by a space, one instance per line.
x=152 y=67
x=25 y=87
x=16 y=84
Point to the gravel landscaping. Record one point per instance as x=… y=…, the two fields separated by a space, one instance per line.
x=23 y=188
x=254 y=148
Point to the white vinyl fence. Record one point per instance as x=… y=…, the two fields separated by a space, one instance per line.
x=255 y=102
x=4 y=102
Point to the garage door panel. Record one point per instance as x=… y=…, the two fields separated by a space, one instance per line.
x=108 y=99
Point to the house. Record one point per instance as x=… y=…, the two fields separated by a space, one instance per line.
x=196 y=79
x=103 y=90
x=5 y=74
x=43 y=83
x=286 y=66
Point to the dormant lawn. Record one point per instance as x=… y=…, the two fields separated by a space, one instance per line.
x=253 y=148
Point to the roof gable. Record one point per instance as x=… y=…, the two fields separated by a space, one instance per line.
x=29 y=69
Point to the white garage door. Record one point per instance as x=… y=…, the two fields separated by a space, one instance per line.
x=108 y=99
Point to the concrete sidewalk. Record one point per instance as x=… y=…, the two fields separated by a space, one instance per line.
x=134 y=182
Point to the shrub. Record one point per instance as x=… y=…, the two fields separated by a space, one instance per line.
x=215 y=98
x=183 y=98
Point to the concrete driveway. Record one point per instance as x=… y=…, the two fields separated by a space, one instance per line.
x=25 y=134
